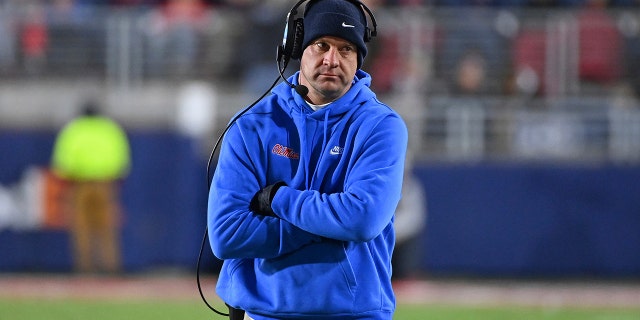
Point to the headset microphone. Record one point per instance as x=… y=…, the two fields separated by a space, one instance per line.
x=302 y=90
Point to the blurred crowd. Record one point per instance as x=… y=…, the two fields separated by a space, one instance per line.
x=248 y=3
x=468 y=51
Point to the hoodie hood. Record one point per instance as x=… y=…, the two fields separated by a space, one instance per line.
x=293 y=103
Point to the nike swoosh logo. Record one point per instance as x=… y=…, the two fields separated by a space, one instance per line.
x=344 y=24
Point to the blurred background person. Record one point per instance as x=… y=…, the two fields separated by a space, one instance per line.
x=470 y=75
x=92 y=154
x=34 y=38
x=174 y=35
x=410 y=222
x=264 y=24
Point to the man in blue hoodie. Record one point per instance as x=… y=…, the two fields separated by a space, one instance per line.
x=302 y=201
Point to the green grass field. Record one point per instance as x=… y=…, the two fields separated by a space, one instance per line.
x=77 y=309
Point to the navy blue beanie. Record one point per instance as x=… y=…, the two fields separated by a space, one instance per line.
x=339 y=18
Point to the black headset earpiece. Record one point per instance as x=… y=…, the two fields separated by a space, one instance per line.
x=291 y=47
x=298 y=38
x=293 y=36
x=368 y=32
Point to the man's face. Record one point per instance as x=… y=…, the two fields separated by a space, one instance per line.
x=327 y=68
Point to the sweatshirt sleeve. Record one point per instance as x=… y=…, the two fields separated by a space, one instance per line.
x=234 y=231
x=371 y=191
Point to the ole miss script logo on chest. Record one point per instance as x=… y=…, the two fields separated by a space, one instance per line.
x=286 y=152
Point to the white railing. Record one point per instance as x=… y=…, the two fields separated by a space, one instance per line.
x=455 y=129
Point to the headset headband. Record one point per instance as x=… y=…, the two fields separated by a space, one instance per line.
x=291 y=47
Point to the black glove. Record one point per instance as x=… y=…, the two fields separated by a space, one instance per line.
x=261 y=201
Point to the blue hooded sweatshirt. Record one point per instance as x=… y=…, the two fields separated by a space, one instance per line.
x=327 y=254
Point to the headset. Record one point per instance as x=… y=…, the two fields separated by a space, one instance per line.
x=291 y=48
x=293 y=37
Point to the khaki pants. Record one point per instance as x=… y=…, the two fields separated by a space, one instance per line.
x=94 y=226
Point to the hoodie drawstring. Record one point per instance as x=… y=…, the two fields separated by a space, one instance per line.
x=325 y=140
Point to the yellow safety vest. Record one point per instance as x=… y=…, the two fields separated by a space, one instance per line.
x=91 y=148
